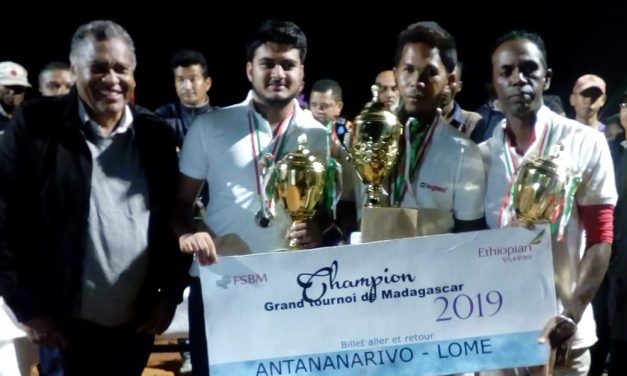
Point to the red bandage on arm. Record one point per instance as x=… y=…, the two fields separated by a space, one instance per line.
x=598 y=222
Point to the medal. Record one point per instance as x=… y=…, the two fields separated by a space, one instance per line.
x=264 y=218
x=262 y=163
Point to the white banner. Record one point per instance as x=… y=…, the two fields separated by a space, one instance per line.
x=421 y=306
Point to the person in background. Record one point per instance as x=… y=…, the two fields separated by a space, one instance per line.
x=613 y=128
x=192 y=83
x=56 y=78
x=491 y=115
x=388 y=92
x=587 y=98
x=554 y=103
x=462 y=120
x=13 y=86
x=90 y=181
x=616 y=308
x=325 y=104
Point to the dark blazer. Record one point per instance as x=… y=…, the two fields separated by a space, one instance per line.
x=45 y=183
x=617 y=272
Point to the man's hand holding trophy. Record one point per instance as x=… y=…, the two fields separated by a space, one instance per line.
x=300 y=184
x=543 y=191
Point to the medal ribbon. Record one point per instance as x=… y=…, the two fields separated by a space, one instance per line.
x=265 y=190
x=331 y=131
x=333 y=191
x=416 y=141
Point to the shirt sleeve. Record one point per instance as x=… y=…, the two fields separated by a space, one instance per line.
x=469 y=185
x=194 y=157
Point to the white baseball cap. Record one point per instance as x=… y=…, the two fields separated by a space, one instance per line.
x=13 y=74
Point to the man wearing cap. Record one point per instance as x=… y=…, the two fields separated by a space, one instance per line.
x=13 y=85
x=587 y=98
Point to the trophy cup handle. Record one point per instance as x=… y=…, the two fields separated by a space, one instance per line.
x=374 y=89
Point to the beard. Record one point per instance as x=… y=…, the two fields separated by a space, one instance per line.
x=273 y=102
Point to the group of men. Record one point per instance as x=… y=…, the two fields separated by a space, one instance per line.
x=92 y=203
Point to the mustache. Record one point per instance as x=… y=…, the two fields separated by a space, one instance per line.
x=277 y=82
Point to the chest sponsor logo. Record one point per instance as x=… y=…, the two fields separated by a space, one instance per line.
x=433 y=187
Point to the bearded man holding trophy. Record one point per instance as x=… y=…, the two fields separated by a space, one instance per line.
x=234 y=150
x=542 y=167
x=432 y=167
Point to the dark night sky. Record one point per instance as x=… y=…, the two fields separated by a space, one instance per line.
x=344 y=47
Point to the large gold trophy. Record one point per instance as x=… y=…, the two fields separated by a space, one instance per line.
x=373 y=146
x=541 y=187
x=300 y=183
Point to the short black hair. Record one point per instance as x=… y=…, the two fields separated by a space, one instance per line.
x=324 y=85
x=434 y=35
x=56 y=65
x=523 y=34
x=186 y=58
x=280 y=32
x=53 y=66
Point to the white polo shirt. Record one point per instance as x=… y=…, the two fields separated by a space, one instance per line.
x=450 y=177
x=587 y=151
x=218 y=148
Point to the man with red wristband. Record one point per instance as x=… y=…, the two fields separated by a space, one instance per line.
x=520 y=75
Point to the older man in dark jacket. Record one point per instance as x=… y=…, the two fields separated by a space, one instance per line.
x=88 y=262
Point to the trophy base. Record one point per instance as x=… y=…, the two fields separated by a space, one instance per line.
x=373 y=196
x=397 y=223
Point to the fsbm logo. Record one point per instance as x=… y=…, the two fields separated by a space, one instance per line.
x=249 y=279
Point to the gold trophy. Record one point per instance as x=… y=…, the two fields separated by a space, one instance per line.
x=300 y=183
x=373 y=146
x=540 y=188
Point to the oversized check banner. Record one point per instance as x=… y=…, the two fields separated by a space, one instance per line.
x=421 y=306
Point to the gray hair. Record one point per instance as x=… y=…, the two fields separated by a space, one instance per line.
x=97 y=31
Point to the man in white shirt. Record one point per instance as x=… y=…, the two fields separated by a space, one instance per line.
x=225 y=148
x=445 y=169
x=520 y=75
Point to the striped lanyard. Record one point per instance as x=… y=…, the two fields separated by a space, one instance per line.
x=331 y=131
x=278 y=143
x=416 y=144
x=507 y=212
x=333 y=174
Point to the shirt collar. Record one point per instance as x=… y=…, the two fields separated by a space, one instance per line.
x=456 y=118
x=123 y=125
x=298 y=112
x=204 y=104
